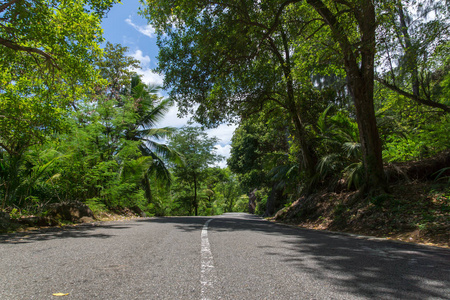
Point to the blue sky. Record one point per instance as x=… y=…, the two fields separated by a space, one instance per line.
x=122 y=25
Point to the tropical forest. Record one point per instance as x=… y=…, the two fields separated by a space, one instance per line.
x=341 y=111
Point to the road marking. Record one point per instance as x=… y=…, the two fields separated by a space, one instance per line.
x=207 y=264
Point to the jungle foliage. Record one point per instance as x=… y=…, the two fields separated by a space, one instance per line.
x=326 y=94
x=359 y=84
x=107 y=152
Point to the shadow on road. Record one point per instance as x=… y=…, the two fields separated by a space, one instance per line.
x=361 y=267
x=44 y=234
x=358 y=267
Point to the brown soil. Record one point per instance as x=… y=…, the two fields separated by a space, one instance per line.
x=417 y=212
x=417 y=209
x=122 y=215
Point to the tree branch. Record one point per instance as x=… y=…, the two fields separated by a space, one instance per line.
x=7 y=4
x=14 y=46
x=418 y=99
x=7 y=149
x=337 y=30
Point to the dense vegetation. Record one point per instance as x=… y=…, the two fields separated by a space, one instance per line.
x=77 y=124
x=106 y=153
x=361 y=84
x=328 y=95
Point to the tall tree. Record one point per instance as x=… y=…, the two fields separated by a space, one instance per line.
x=233 y=58
x=198 y=151
x=149 y=110
x=131 y=97
x=228 y=41
x=353 y=26
x=46 y=63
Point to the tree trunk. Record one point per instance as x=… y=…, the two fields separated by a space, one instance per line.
x=195 y=196
x=361 y=85
x=147 y=188
x=359 y=66
x=308 y=155
x=362 y=93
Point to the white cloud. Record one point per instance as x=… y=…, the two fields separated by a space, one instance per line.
x=147 y=75
x=172 y=120
x=150 y=77
x=144 y=60
x=224 y=132
x=145 y=30
x=225 y=152
x=222 y=164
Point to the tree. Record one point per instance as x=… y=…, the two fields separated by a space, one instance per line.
x=233 y=59
x=413 y=49
x=254 y=144
x=222 y=188
x=46 y=62
x=198 y=151
x=117 y=68
x=109 y=149
x=131 y=94
x=347 y=20
x=38 y=27
x=243 y=53
x=150 y=109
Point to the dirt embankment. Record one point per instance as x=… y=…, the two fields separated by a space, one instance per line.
x=416 y=210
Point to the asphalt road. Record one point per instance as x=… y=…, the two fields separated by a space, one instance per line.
x=234 y=256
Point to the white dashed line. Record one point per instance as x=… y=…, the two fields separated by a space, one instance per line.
x=207 y=277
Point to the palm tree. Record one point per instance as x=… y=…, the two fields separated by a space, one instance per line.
x=150 y=109
x=339 y=137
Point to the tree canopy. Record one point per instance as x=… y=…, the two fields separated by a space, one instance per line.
x=225 y=61
x=327 y=96
x=198 y=153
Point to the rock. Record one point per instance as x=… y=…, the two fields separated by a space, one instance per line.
x=86 y=220
x=252 y=201
x=46 y=221
x=30 y=221
x=291 y=212
x=137 y=210
x=37 y=221
x=70 y=211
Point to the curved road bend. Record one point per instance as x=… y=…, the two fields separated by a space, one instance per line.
x=234 y=256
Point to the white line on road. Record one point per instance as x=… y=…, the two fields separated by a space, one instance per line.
x=206 y=277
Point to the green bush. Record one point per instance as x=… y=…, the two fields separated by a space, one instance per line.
x=96 y=205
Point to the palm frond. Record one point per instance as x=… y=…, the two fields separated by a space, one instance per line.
x=156 y=114
x=283 y=174
x=353 y=149
x=160 y=170
x=152 y=148
x=354 y=174
x=322 y=121
x=135 y=167
x=156 y=133
x=328 y=164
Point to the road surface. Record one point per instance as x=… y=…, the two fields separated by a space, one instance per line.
x=234 y=256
